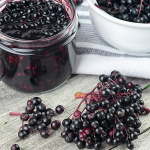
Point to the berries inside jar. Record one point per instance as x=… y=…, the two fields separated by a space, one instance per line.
x=33 y=20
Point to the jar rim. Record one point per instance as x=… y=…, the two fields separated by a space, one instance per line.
x=29 y=43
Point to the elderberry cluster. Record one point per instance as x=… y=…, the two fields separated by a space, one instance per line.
x=129 y=10
x=33 y=19
x=112 y=114
x=38 y=120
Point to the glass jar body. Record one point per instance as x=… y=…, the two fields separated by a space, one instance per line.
x=37 y=73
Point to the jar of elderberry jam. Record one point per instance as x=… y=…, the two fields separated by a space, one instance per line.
x=36 y=43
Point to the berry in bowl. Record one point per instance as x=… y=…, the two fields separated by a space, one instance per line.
x=124 y=24
x=36 y=38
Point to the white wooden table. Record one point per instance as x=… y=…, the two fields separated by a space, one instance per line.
x=15 y=101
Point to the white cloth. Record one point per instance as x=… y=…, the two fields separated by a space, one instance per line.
x=95 y=56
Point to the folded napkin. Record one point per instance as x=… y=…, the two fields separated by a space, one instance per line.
x=95 y=56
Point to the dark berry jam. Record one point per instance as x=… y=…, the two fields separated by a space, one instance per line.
x=31 y=20
x=36 y=73
x=43 y=63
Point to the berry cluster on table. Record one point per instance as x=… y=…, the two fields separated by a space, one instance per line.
x=137 y=11
x=39 y=120
x=111 y=114
x=33 y=19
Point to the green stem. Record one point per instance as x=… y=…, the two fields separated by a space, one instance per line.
x=146 y=87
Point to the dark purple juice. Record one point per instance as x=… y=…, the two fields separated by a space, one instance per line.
x=35 y=73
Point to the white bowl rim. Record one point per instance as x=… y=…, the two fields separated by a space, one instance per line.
x=115 y=20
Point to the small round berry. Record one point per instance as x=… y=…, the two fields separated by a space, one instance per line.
x=130 y=85
x=80 y=144
x=63 y=134
x=115 y=141
x=89 y=145
x=104 y=103
x=96 y=104
x=59 y=109
x=71 y=135
x=120 y=113
x=29 y=109
x=49 y=112
x=55 y=125
x=133 y=135
x=68 y=140
x=130 y=145
x=22 y=134
x=115 y=87
x=46 y=120
x=36 y=101
x=105 y=92
x=15 y=147
x=110 y=117
x=115 y=74
x=67 y=129
x=103 y=78
x=88 y=139
x=41 y=107
x=119 y=126
x=111 y=109
x=27 y=128
x=33 y=122
x=37 y=115
x=90 y=107
x=41 y=126
x=66 y=122
x=91 y=116
x=130 y=120
x=116 y=105
x=99 y=130
x=88 y=131
x=122 y=80
x=100 y=115
x=103 y=135
x=137 y=89
x=84 y=116
x=97 y=146
x=137 y=123
x=24 y=116
x=45 y=133
x=94 y=124
x=104 y=124
x=82 y=136
x=109 y=140
x=129 y=111
x=86 y=123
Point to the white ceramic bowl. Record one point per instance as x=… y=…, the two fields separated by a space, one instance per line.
x=126 y=36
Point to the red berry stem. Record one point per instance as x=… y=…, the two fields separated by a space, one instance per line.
x=140 y=8
x=147 y=110
x=21 y=126
x=14 y=114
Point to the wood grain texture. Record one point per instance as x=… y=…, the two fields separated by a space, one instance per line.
x=15 y=101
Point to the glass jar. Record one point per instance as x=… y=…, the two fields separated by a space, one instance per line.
x=38 y=65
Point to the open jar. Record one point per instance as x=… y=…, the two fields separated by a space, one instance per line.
x=39 y=65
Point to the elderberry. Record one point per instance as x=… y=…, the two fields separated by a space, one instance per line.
x=34 y=15
x=15 y=147
x=111 y=114
x=128 y=10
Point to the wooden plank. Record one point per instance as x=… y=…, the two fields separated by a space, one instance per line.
x=11 y=100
